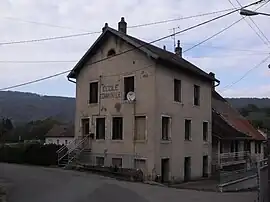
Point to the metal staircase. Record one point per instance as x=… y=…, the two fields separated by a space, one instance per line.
x=69 y=154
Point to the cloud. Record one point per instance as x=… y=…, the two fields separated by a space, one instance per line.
x=84 y=15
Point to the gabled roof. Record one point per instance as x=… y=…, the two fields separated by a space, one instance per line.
x=233 y=117
x=61 y=131
x=170 y=59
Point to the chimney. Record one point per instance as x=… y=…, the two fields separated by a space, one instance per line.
x=105 y=27
x=122 y=26
x=213 y=83
x=164 y=47
x=178 y=49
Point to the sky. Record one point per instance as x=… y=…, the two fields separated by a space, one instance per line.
x=232 y=55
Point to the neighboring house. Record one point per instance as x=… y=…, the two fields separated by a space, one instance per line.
x=166 y=130
x=235 y=141
x=60 y=135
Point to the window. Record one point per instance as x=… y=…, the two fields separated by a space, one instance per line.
x=165 y=128
x=85 y=126
x=187 y=129
x=128 y=85
x=111 y=52
x=117 y=131
x=259 y=147
x=196 y=95
x=247 y=145
x=177 y=90
x=100 y=128
x=140 y=128
x=205 y=131
x=117 y=162
x=57 y=142
x=93 y=95
x=100 y=161
x=141 y=164
x=66 y=142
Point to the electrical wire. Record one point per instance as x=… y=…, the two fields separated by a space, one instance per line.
x=225 y=88
x=132 y=49
x=132 y=26
x=263 y=40
x=223 y=30
x=90 y=33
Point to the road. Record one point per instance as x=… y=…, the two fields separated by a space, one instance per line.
x=38 y=184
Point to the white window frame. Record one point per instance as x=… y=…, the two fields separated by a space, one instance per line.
x=170 y=127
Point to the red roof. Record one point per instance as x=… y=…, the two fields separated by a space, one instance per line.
x=234 y=118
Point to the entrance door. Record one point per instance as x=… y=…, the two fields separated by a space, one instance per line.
x=205 y=166
x=165 y=169
x=187 y=169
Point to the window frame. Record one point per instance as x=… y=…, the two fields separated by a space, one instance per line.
x=98 y=92
x=169 y=127
x=82 y=125
x=207 y=131
x=195 y=86
x=124 y=86
x=113 y=127
x=117 y=158
x=96 y=128
x=179 y=90
x=190 y=126
x=135 y=128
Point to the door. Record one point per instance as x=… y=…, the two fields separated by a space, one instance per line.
x=187 y=169
x=205 y=166
x=165 y=169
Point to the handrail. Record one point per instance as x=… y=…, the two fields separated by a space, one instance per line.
x=64 y=146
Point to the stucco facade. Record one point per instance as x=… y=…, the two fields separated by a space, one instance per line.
x=154 y=90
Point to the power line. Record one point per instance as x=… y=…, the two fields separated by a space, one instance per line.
x=133 y=26
x=221 y=31
x=253 y=23
x=250 y=70
x=90 y=33
x=132 y=49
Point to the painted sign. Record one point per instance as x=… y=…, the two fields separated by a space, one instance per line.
x=110 y=91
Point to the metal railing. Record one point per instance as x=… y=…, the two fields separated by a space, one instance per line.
x=233 y=157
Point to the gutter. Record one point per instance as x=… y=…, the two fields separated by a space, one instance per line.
x=71 y=80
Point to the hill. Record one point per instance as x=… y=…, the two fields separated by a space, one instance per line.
x=25 y=107
x=244 y=102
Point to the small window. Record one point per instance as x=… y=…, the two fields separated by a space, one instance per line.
x=93 y=94
x=100 y=161
x=205 y=131
x=196 y=95
x=165 y=127
x=111 y=52
x=100 y=128
x=57 y=142
x=117 y=162
x=177 y=90
x=117 y=131
x=85 y=127
x=140 y=128
x=259 y=147
x=128 y=85
x=66 y=142
x=187 y=129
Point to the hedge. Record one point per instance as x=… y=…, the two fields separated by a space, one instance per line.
x=35 y=154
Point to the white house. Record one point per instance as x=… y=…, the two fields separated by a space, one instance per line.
x=60 y=135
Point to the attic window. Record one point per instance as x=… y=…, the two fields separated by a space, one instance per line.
x=111 y=52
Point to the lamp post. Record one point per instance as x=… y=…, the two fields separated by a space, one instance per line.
x=246 y=12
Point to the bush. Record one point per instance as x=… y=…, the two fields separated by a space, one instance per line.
x=35 y=154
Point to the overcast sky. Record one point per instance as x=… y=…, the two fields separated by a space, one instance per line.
x=229 y=55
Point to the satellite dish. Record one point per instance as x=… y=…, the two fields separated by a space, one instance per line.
x=131 y=96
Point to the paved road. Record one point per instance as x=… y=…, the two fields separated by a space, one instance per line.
x=37 y=184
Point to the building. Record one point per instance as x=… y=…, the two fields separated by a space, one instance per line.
x=235 y=142
x=60 y=135
x=145 y=107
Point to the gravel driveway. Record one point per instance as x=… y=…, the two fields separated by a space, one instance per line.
x=38 y=184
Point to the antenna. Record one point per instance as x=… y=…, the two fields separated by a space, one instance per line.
x=174 y=38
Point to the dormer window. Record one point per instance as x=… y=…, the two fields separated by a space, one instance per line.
x=111 y=52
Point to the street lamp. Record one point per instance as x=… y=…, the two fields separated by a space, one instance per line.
x=251 y=13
